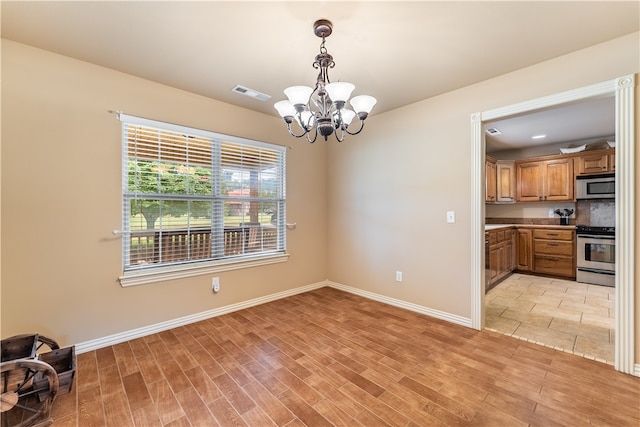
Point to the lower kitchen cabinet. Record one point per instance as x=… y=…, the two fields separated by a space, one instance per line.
x=524 y=250
x=554 y=252
x=548 y=251
x=501 y=255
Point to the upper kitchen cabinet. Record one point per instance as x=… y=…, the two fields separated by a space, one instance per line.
x=600 y=161
x=490 y=173
x=547 y=180
x=506 y=181
x=612 y=162
x=500 y=181
x=529 y=188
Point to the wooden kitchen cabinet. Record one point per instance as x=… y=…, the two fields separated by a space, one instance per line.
x=510 y=250
x=501 y=255
x=500 y=181
x=506 y=181
x=612 y=162
x=524 y=250
x=600 y=161
x=554 y=252
x=491 y=179
x=496 y=257
x=547 y=180
x=559 y=180
x=529 y=182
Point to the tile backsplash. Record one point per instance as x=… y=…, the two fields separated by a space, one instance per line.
x=596 y=213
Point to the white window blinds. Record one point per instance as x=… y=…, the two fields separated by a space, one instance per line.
x=191 y=195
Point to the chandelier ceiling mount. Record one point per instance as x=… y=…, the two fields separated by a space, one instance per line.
x=322 y=28
x=323 y=109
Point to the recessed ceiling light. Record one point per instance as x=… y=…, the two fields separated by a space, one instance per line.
x=538 y=136
x=242 y=90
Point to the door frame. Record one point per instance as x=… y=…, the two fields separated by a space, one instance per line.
x=623 y=88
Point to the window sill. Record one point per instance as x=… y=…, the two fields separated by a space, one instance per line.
x=160 y=274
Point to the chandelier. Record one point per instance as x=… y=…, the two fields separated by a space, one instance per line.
x=323 y=109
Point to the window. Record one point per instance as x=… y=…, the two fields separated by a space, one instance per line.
x=195 y=201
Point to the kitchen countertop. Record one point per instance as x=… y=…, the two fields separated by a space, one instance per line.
x=488 y=227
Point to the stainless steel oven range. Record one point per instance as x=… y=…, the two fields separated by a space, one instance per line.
x=596 y=253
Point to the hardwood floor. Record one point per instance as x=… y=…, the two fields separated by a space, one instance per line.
x=331 y=358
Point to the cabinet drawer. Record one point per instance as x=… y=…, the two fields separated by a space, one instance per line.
x=554 y=265
x=553 y=234
x=493 y=236
x=552 y=247
x=500 y=236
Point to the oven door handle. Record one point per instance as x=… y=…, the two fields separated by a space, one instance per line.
x=591 y=236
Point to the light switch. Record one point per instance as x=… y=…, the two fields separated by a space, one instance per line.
x=451 y=217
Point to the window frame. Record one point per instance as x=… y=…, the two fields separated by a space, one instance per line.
x=139 y=275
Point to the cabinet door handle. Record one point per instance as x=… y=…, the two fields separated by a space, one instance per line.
x=552 y=234
x=552 y=244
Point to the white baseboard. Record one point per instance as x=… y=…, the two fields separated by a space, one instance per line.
x=87 y=346
x=459 y=320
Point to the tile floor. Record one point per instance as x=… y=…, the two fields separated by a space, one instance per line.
x=563 y=314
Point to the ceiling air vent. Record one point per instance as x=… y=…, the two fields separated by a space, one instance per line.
x=250 y=93
x=493 y=131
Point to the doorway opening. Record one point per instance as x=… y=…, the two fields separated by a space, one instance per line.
x=623 y=90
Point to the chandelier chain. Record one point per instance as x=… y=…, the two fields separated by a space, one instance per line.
x=322 y=48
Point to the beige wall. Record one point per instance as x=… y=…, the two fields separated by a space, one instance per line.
x=389 y=192
x=364 y=209
x=61 y=198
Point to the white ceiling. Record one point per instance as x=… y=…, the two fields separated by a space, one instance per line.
x=399 y=52
x=570 y=124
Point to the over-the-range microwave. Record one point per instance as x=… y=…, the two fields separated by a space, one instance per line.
x=601 y=186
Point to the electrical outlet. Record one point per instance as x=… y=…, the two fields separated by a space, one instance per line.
x=215 y=284
x=398 y=276
x=551 y=214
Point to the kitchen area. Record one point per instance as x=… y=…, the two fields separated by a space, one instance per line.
x=576 y=242
x=550 y=237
